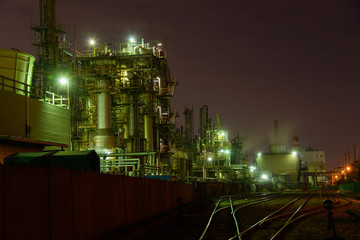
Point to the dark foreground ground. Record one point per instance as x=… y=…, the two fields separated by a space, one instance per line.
x=194 y=219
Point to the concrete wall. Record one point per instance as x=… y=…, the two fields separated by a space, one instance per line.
x=48 y=203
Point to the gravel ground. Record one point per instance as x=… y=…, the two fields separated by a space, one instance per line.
x=347 y=226
x=191 y=225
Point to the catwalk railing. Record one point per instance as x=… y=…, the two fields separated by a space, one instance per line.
x=25 y=89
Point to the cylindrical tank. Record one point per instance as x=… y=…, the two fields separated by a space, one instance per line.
x=18 y=66
x=278 y=149
x=104 y=138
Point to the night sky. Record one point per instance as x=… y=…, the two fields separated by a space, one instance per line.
x=253 y=61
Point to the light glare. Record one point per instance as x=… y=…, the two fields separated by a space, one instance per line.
x=63 y=81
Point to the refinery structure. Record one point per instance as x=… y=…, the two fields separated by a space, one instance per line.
x=114 y=98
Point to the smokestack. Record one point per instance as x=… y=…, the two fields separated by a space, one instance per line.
x=189 y=125
x=276 y=130
x=296 y=143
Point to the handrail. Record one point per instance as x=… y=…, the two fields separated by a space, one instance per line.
x=21 y=88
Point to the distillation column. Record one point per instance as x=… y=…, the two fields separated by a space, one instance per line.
x=189 y=126
x=104 y=139
x=132 y=133
x=203 y=121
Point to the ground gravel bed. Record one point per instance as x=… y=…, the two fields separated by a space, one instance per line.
x=191 y=225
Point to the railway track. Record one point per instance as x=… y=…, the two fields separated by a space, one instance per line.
x=231 y=217
x=223 y=223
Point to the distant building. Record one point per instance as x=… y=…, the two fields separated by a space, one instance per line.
x=279 y=163
x=291 y=165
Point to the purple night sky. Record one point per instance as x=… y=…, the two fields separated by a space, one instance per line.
x=253 y=61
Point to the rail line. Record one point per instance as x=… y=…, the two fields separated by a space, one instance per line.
x=220 y=218
x=224 y=221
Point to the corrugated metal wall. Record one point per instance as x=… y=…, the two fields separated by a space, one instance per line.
x=47 y=203
x=48 y=122
x=12 y=114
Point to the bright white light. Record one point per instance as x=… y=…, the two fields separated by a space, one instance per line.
x=107 y=152
x=265 y=177
x=259 y=154
x=91 y=42
x=132 y=40
x=222 y=134
x=222 y=150
x=159 y=44
x=227 y=151
x=294 y=153
x=63 y=81
x=209 y=158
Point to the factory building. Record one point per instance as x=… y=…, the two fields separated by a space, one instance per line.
x=279 y=163
x=313 y=166
x=291 y=165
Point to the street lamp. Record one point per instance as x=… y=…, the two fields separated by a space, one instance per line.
x=132 y=40
x=265 y=177
x=65 y=81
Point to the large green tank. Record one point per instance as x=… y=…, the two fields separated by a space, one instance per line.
x=16 y=69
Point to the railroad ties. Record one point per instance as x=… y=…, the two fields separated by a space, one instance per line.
x=261 y=216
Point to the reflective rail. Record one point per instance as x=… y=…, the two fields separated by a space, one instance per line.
x=25 y=89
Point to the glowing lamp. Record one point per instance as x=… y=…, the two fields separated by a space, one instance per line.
x=63 y=81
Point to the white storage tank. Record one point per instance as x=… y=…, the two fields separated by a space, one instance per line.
x=16 y=69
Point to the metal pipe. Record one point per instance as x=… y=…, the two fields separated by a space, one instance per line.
x=127 y=154
x=149 y=135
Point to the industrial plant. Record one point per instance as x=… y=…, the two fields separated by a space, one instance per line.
x=113 y=98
